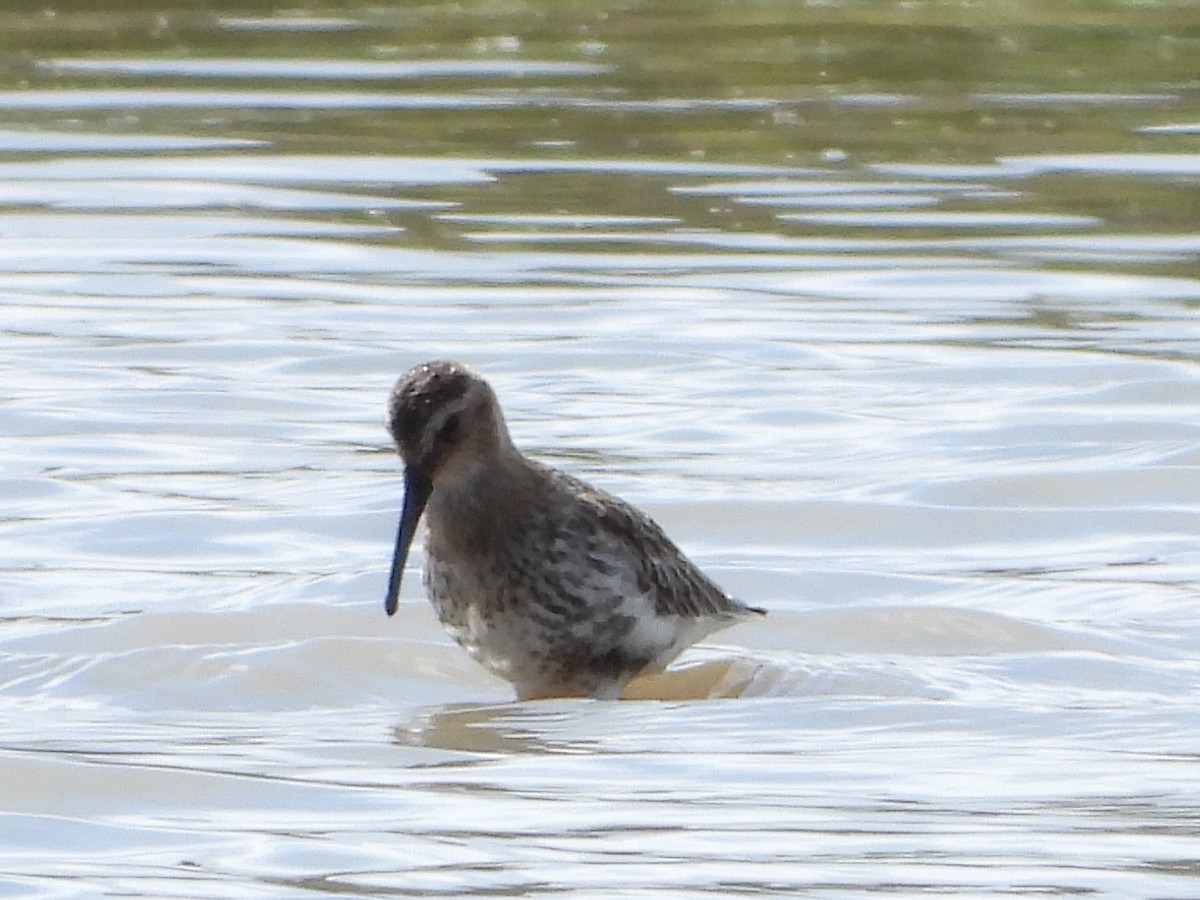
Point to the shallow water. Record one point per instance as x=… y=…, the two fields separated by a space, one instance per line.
x=887 y=312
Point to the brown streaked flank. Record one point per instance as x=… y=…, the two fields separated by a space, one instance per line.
x=557 y=587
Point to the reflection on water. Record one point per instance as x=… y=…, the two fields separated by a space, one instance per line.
x=886 y=313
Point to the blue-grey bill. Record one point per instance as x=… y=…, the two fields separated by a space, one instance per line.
x=416 y=493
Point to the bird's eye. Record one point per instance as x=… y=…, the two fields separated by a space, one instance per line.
x=450 y=430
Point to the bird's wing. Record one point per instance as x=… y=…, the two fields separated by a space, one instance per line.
x=621 y=539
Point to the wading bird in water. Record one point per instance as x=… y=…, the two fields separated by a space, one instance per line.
x=555 y=586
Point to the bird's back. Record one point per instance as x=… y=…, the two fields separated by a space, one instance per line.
x=624 y=537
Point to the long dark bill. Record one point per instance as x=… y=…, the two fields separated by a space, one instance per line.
x=416 y=494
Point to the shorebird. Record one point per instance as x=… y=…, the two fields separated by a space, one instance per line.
x=557 y=587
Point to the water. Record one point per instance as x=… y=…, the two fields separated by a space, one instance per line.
x=886 y=311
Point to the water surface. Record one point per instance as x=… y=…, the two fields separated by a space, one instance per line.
x=887 y=312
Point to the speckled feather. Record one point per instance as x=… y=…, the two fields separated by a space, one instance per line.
x=610 y=526
x=560 y=588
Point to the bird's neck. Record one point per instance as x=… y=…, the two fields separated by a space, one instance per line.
x=481 y=504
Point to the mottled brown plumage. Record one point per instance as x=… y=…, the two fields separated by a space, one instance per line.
x=560 y=588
